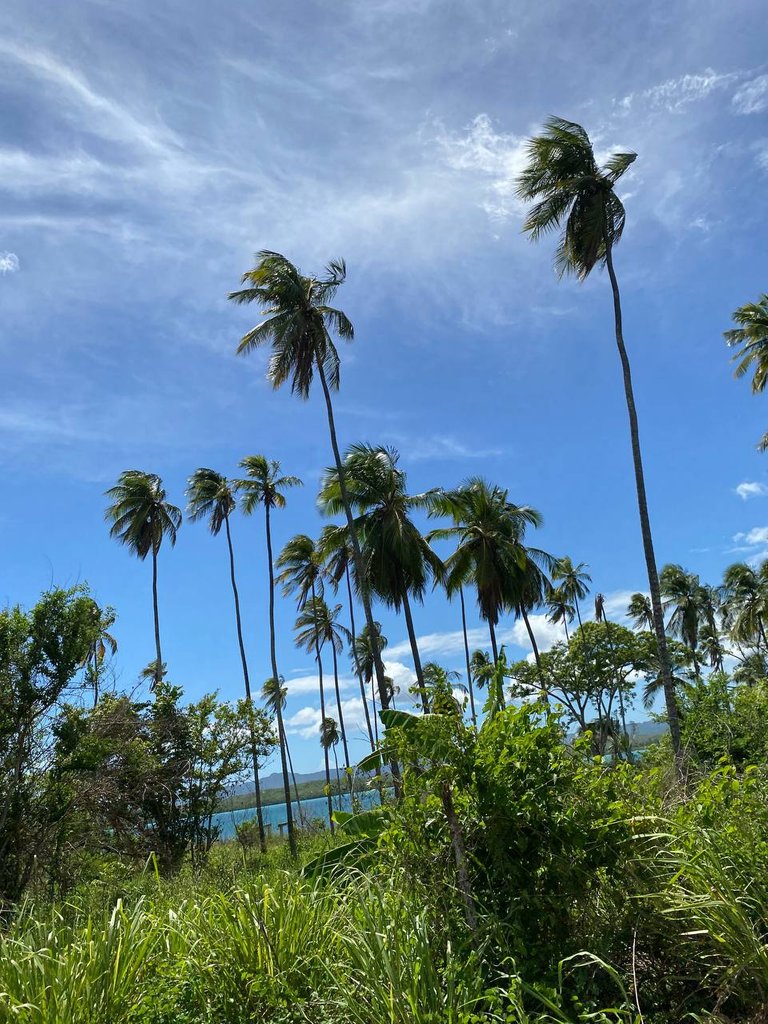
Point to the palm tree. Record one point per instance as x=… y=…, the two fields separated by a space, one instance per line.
x=336 y=635
x=691 y=606
x=560 y=609
x=488 y=529
x=298 y=326
x=274 y=693
x=263 y=485
x=211 y=496
x=745 y=604
x=337 y=555
x=363 y=648
x=308 y=636
x=751 y=338
x=640 y=612
x=483 y=667
x=397 y=560
x=329 y=740
x=141 y=518
x=573 y=581
x=104 y=642
x=570 y=191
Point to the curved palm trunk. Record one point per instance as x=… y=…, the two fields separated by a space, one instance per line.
x=158 y=675
x=247 y=683
x=342 y=730
x=338 y=779
x=415 y=652
x=494 y=645
x=276 y=676
x=363 y=695
x=375 y=714
x=565 y=627
x=322 y=719
x=358 y=558
x=645 y=526
x=293 y=779
x=466 y=656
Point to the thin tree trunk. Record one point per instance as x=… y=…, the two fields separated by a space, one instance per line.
x=415 y=652
x=460 y=856
x=357 y=663
x=375 y=715
x=338 y=706
x=536 y=654
x=322 y=715
x=276 y=676
x=466 y=655
x=494 y=647
x=565 y=627
x=293 y=779
x=645 y=527
x=338 y=779
x=158 y=653
x=247 y=682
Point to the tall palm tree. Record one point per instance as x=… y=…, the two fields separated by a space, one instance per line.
x=690 y=604
x=363 y=652
x=570 y=191
x=297 y=325
x=211 y=496
x=573 y=580
x=751 y=340
x=337 y=555
x=329 y=740
x=397 y=560
x=488 y=530
x=274 y=693
x=745 y=604
x=640 y=612
x=263 y=486
x=142 y=518
x=308 y=636
x=336 y=635
x=560 y=609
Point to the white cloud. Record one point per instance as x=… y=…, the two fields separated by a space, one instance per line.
x=676 y=93
x=752 y=97
x=498 y=156
x=307 y=682
x=306 y=721
x=751 y=489
x=9 y=262
x=757 y=535
x=440 y=446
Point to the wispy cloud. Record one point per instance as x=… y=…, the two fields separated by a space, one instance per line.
x=9 y=263
x=751 y=489
x=752 y=97
x=757 y=535
x=439 y=446
x=674 y=94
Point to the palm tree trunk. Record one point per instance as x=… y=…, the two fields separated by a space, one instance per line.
x=536 y=654
x=375 y=715
x=460 y=856
x=293 y=779
x=276 y=676
x=338 y=779
x=247 y=682
x=322 y=719
x=645 y=526
x=415 y=652
x=158 y=652
x=363 y=695
x=466 y=655
x=494 y=646
x=338 y=706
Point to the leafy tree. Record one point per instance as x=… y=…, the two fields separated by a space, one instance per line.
x=298 y=326
x=571 y=192
x=263 y=486
x=142 y=518
x=211 y=496
x=750 y=338
x=397 y=560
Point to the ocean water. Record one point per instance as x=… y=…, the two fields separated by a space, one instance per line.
x=274 y=814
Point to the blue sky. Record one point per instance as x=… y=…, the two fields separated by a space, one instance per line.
x=148 y=150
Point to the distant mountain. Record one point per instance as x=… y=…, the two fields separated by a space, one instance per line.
x=275 y=781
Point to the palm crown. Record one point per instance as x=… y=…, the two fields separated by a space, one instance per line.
x=210 y=495
x=298 y=320
x=570 y=191
x=751 y=338
x=263 y=484
x=140 y=514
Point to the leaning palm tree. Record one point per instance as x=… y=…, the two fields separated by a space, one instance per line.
x=745 y=604
x=689 y=602
x=297 y=325
x=336 y=635
x=263 y=485
x=211 y=496
x=142 y=518
x=751 y=340
x=571 y=192
x=336 y=553
x=308 y=637
x=329 y=740
x=573 y=580
x=274 y=693
x=560 y=609
x=397 y=560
